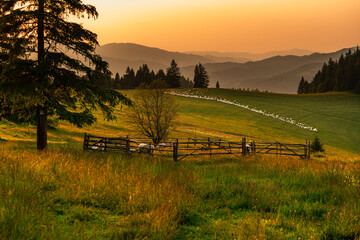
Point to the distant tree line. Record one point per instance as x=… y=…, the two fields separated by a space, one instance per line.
x=342 y=75
x=172 y=77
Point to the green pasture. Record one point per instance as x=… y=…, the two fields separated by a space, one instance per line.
x=335 y=115
x=67 y=193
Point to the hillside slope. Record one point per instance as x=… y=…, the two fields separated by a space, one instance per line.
x=264 y=74
x=118 y=65
x=288 y=82
x=335 y=115
x=253 y=56
x=121 y=55
x=280 y=73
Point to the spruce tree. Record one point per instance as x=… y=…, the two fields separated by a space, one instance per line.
x=173 y=75
x=38 y=78
x=301 y=87
x=160 y=75
x=117 y=82
x=186 y=83
x=330 y=76
x=128 y=80
x=143 y=75
x=152 y=76
x=340 y=72
x=201 y=78
x=317 y=146
x=342 y=75
x=217 y=84
x=306 y=87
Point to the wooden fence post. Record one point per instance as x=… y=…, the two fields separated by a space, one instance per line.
x=209 y=145
x=85 y=146
x=127 y=148
x=309 y=150
x=280 y=149
x=175 y=150
x=105 y=144
x=244 y=147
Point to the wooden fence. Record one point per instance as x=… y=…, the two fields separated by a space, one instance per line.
x=179 y=148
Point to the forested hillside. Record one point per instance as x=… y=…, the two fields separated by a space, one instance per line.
x=279 y=74
x=341 y=75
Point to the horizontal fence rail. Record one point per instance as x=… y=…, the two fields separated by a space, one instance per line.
x=180 y=148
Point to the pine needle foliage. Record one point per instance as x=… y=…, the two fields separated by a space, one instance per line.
x=317 y=146
x=173 y=75
x=48 y=65
x=341 y=75
x=201 y=77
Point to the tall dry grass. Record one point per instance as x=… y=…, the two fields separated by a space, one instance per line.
x=70 y=194
x=93 y=195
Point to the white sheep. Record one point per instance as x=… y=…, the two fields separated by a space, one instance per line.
x=98 y=146
x=248 y=148
x=146 y=148
x=164 y=145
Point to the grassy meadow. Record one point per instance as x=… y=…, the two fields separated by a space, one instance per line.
x=70 y=194
x=335 y=115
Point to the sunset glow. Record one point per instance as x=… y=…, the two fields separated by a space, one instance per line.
x=230 y=25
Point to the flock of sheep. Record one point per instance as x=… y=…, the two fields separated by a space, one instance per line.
x=200 y=95
x=141 y=148
x=149 y=148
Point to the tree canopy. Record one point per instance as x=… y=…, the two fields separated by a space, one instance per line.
x=173 y=75
x=341 y=75
x=201 y=78
x=130 y=80
x=301 y=88
x=153 y=112
x=48 y=65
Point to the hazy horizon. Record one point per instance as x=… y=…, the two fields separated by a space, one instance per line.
x=255 y=26
x=215 y=51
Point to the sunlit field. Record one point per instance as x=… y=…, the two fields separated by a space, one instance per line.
x=67 y=193
x=335 y=116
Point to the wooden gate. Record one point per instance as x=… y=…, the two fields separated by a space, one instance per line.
x=180 y=148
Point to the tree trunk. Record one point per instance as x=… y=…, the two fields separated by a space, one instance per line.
x=41 y=111
x=41 y=116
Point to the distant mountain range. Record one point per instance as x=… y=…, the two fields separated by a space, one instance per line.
x=275 y=72
x=245 y=56
x=121 y=55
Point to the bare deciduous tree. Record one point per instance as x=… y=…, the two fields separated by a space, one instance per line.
x=153 y=112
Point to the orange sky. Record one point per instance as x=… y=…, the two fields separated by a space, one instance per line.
x=229 y=25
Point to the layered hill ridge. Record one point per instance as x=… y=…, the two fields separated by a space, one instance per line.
x=246 y=56
x=276 y=74
x=121 y=55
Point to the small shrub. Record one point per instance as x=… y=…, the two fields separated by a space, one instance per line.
x=317 y=146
